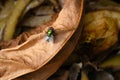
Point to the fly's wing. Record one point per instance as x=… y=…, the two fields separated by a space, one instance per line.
x=49 y=39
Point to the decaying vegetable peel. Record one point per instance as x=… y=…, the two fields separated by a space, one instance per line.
x=101 y=29
x=112 y=62
x=14 y=17
x=36 y=52
x=84 y=76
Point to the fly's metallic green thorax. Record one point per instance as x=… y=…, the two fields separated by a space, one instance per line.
x=50 y=33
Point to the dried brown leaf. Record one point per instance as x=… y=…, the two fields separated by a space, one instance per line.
x=34 y=53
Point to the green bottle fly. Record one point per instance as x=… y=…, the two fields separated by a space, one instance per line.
x=50 y=33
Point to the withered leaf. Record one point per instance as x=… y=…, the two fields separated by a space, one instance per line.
x=47 y=70
x=35 y=52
